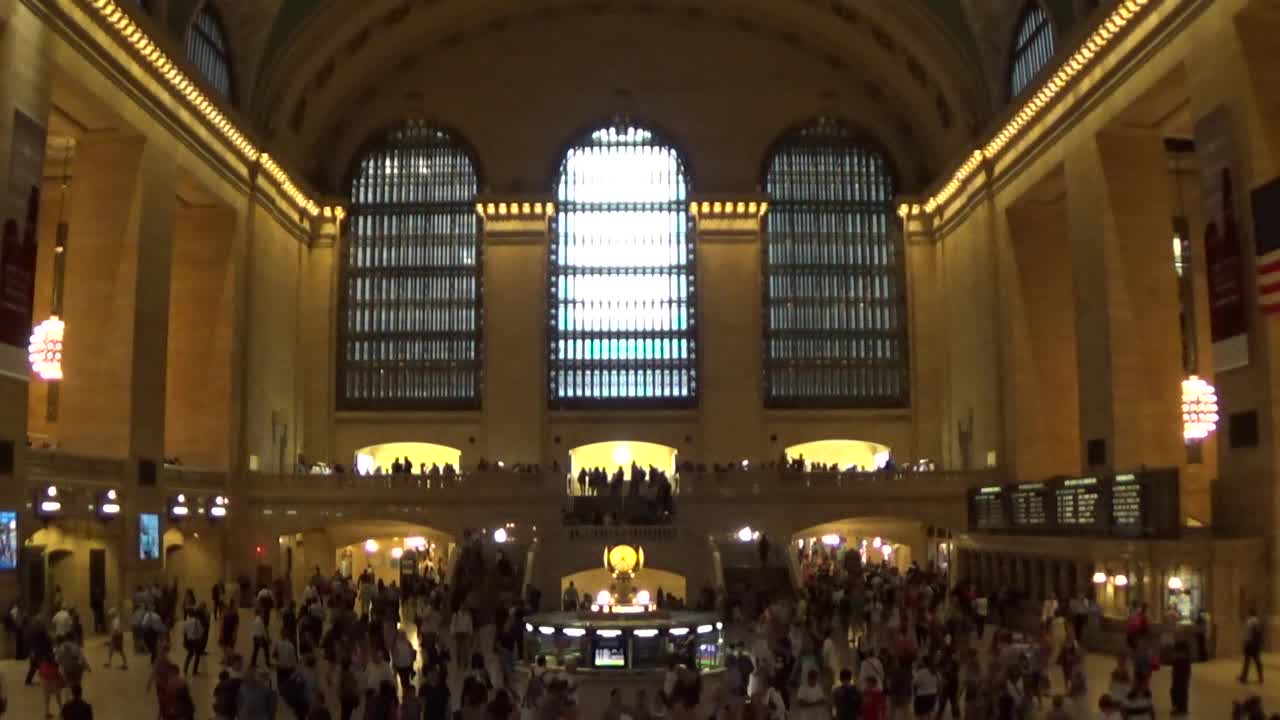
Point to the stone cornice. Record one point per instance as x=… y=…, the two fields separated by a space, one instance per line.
x=515 y=220
x=724 y=219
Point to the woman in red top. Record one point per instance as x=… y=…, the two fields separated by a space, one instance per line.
x=875 y=706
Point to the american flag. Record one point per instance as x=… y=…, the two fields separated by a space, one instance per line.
x=1266 y=233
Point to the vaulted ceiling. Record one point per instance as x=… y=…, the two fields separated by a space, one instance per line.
x=322 y=76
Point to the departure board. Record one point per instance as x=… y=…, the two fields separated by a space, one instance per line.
x=1126 y=504
x=986 y=508
x=1028 y=505
x=1078 y=501
x=1140 y=504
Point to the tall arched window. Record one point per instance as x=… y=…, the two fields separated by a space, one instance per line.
x=622 y=275
x=411 y=273
x=835 y=299
x=1032 y=49
x=207 y=49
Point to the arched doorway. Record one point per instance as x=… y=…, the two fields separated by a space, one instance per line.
x=843 y=455
x=592 y=581
x=383 y=456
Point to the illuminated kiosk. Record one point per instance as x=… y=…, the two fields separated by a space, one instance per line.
x=623 y=629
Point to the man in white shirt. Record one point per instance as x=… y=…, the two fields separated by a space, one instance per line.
x=62 y=624
x=258 y=631
x=872 y=667
x=192 y=634
x=981 y=606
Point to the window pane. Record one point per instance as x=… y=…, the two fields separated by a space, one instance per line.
x=835 y=297
x=412 y=277
x=622 y=275
x=1033 y=47
x=207 y=50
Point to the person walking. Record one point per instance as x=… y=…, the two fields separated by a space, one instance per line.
x=1180 y=680
x=192 y=632
x=1252 y=646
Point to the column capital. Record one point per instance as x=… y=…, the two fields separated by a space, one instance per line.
x=728 y=218
x=326 y=227
x=917 y=222
x=515 y=219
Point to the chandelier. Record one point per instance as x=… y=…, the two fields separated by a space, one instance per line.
x=1199 y=408
x=45 y=349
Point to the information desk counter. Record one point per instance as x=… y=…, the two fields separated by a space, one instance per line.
x=634 y=642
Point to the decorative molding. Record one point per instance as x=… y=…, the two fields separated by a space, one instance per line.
x=1023 y=116
x=736 y=220
x=513 y=221
x=189 y=92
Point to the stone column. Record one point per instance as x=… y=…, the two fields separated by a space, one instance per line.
x=117 y=298
x=928 y=339
x=1126 y=297
x=731 y=373
x=516 y=233
x=319 y=339
x=25 y=89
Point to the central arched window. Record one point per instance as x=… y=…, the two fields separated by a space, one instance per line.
x=835 y=298
x=207 y=49
x=410 y=322
x=622 y=275
x=1032 y=49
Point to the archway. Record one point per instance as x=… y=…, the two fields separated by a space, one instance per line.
x=841 y=454
x=391 y=550
x=613 y=454
x=418 y=454
x=893 y=541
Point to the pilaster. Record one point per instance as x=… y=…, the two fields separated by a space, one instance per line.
x=318 y=339
x=731 y=332
x=928 y=342
x=516 y=236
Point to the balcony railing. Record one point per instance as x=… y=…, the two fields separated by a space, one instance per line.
x=54 y=467
x=614 y=534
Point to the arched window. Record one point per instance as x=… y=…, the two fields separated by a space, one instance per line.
x=411 y=271
x=835 y=299
x=207 y=49
x=622 y=275
x=1032 y=48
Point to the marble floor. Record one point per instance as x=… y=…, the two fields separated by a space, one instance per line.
x=121 y=695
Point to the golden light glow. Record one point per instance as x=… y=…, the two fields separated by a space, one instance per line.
x=1199 y=408
x=418 y=453
x=182 y=85
x=528 y=210
x=844 y=454
x=741 y=208
x=614 y=454
x=1099 y=578
x=624 y=559
x=1081 y=59
x=45 y=349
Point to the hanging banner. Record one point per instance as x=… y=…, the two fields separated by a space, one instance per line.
x=1223 y=254
x=18 y=233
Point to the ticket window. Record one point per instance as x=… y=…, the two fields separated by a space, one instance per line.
x=1183 y=595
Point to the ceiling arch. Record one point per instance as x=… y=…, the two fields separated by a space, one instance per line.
x=724 y=93
x=898 y=69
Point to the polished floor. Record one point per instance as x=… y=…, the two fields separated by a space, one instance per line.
x=121 y=695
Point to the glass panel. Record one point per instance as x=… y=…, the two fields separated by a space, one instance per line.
x=207 y=50
x=1034 y=47
x=835 y=295
x=412 y=277
x=622 y=275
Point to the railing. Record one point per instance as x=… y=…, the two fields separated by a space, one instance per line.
x=193 y=479
x=622 y=533
x=57 y=467
x=755 y=482
x=483 y=482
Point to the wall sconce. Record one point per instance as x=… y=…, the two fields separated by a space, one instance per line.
x=219 y=509
x=1099 y=578
x=108 y=505
x=179 y=509
x=1175 y=583
x=47 y=503
x=1120 y=580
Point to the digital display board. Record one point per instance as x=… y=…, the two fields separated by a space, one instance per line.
x=1078 y=501
x=148 y=536
x=986 y=508
x=1139 y=504
x=609 y=652
x=1027 y=505
x=8 y=540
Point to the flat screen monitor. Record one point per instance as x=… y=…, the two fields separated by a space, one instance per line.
x=148 y=536
x=8 y=540
x=609 y=652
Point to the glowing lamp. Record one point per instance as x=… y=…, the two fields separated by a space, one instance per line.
x=876 y=543
x=1199 y=408
x=528 y=627
x=500 y=535
x=178 y=508
x=1175 y=583
x=1121 y=580
x=604 y=598
x=397 y=553
x=677 y=632
x=831 y=540
x=415 y=542
x=745 y=535
x=47 y=503
x=574 y=632
x=546 y=630
x=44 y=351
x=219 y=509
x=1099 y=578
x=608 y=633
x=109 y=504
x=703 y=629
x=646 y=633
x=371 y=546
x=642 y=597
